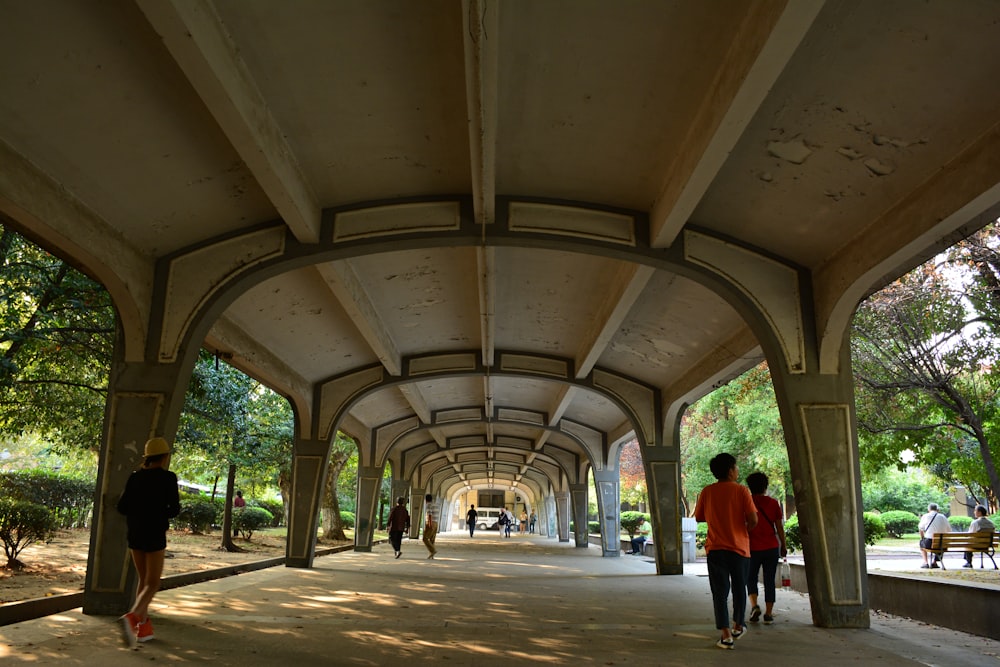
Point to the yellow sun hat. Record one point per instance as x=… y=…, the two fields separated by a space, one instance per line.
x=155 y=446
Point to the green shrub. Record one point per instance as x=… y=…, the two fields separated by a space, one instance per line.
x=197 y=514
x=874 y=531
x=630 y=521
x=874 y=528
x=960 y=524
x=793 y=538
x=71 y=499
x=248 y=519
x=347 y=519
x=275 y=507
x=700 y=535
x=22 y=523
x=594 y=527
x=900 y=522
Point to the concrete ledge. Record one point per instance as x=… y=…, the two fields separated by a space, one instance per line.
x=958 y=605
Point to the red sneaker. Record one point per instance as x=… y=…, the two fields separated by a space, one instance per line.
x=145 y=631
x=130 y=630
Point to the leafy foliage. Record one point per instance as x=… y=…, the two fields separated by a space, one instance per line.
x=71 y=499
x=960 y=523
x=924 y=357
x=741 y=418
x=630 y=521
x=198 y=514
x=248 y=519
x=900 y=522
x=892 y=489
x=22 y=523
x=57 y=330
x=632 y=474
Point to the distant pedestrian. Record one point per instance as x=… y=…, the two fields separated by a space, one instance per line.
x=430 y=527
x=399 y=523
x=728 y=509
x=523 y=524
x=981 y=524
x=470 y=519
x=639 y=541
x=531 y=521
x=149 y=501
x=508 y=521
x=238 y=503
x=931 y=524
x=767 y=546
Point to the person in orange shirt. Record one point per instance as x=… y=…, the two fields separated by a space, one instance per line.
x=728 y=508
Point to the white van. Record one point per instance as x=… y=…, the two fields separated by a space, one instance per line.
x=486 y=517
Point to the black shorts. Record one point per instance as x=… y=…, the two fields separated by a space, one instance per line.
x=143 y=539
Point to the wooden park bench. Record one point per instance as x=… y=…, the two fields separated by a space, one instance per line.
x=980 y=543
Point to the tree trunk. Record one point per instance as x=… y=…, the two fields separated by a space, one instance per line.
x=227 y=515
x=285 y=486
x=333 y=527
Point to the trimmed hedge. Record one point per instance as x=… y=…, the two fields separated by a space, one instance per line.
x=960 y=524
x=874 y=531
x=198 y=513
x=70 y=499
x=900 y=522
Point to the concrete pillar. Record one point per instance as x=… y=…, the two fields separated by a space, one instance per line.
x=663 y=481
x=550 y=516
x=143 y=401
x=369 y=485
x=608 y=492
x=310 y=460
x=562 y=515
x=819 y=423
x=578 y=493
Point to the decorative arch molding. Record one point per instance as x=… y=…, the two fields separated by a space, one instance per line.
x=639 y=402
x=592 y=441
x=548 y=462
x=194 y=286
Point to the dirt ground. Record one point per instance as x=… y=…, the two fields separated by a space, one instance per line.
x=61 y=565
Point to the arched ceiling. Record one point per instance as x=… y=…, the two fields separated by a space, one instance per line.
x=844 y=140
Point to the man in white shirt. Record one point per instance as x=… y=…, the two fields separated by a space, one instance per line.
x=931 y=524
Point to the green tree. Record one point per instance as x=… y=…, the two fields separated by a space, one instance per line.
x=231 y=423
x=341 y=450
x=924 y=354
x=741 y=418
x=56 y=337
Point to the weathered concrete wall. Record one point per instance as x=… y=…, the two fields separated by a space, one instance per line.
x=951 y=604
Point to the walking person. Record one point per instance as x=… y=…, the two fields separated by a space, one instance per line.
x=149 y=501
x=470 y=519
x=523 y=525
x=728 y=509
x=531 y=522
x=399 y=523
x=508 y=522
x=767 y=546
x=430 y=527
x=931 y=524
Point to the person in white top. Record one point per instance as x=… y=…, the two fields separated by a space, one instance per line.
x=931 y=524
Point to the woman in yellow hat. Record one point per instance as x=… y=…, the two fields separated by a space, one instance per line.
x=149 y=501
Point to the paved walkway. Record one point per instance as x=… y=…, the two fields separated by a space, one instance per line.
x=489 y=601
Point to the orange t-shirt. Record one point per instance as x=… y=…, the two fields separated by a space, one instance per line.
x=725 y=506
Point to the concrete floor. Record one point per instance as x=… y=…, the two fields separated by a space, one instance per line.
x=527 y=600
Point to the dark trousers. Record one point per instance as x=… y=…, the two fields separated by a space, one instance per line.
x=768 y=559
x=727 y=570
x=637 y=544
x=396 y=540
